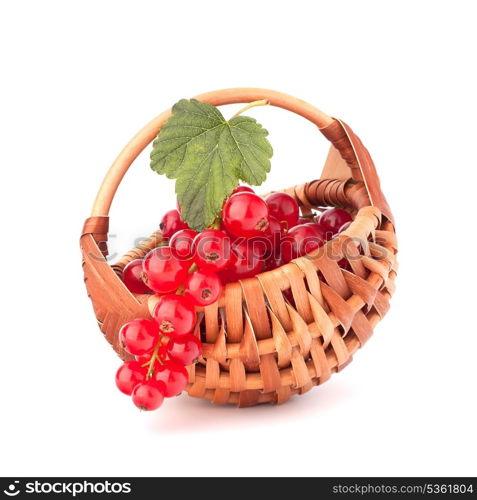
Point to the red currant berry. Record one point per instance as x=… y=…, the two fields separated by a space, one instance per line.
x=162 y=271
x=185 y=350
x=303 y=220
x=259 y=246
x=273 y=261
x=202 y=287
x=148 y=395
x=301 y=240
x=274 y=227
x=181 y=243
x=245 y=214
x=174 y=376
x=175 y=315
x=171 y=223
x=245 y=262
x=232 y=238
x=132 y=277
x=139 y=336
x=284 y=207
x=129 y=375
x=333 y=219
x=211 y=249
x=274 y=231
x=242 y=189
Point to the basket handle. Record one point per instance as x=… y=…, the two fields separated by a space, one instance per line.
x=352 y=154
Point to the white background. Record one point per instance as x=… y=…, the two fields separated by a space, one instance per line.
x=78 y=79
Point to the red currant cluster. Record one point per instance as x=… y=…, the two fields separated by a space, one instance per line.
x=159 y=368
x=255 y=234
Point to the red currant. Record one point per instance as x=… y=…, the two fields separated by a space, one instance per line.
x=163 y=272
x=264 y=245
x=132 y=277
x=274 y=230
x=212 y=249
x=181 y=243
x=301 y=240
x=224 y=230
x=148 y=395
x=139 y=336
x=203 y=287
x=175 y=315
x=129 y=375
x=303 y=220
x=245 y=262
x=171 y=223
x=242 y=189
x=174 y=376
x=284 y=207
x=184 y=350
x=273 y=261
x=333 y=219
x=245 y=214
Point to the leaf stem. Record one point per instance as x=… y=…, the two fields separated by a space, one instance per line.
x=216 y=224
x=263 y=102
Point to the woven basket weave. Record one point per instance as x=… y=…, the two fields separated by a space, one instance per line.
x=257 y=347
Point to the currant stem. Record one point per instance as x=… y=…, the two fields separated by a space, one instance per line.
x=263 y=102
x=193 y=268
x=152 y=360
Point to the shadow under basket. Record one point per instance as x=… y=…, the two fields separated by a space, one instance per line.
x=283 y=331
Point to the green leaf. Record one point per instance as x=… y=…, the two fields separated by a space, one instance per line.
x=208 y=156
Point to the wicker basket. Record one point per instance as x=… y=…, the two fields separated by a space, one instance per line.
x=257 y=347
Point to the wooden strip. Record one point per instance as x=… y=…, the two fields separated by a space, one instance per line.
x=300 y=295
x=212 y=374
x=219 y=352
x=197 y=389
x=300 y=370
x=270 y=373
x=248 y=398
x=282 y=394
x=248 y=347
x=361 y=287
x=221 y=396
x=233 y=312
x=256 y=307
x=361 y=327
x=237 y=375
x=301 y=331
x=341 y=309
x=340 y=350
x=275 y=298
x=282 y=342
x=320 y=361
x=311 y=276
x=322 y=320
x=211 y=322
